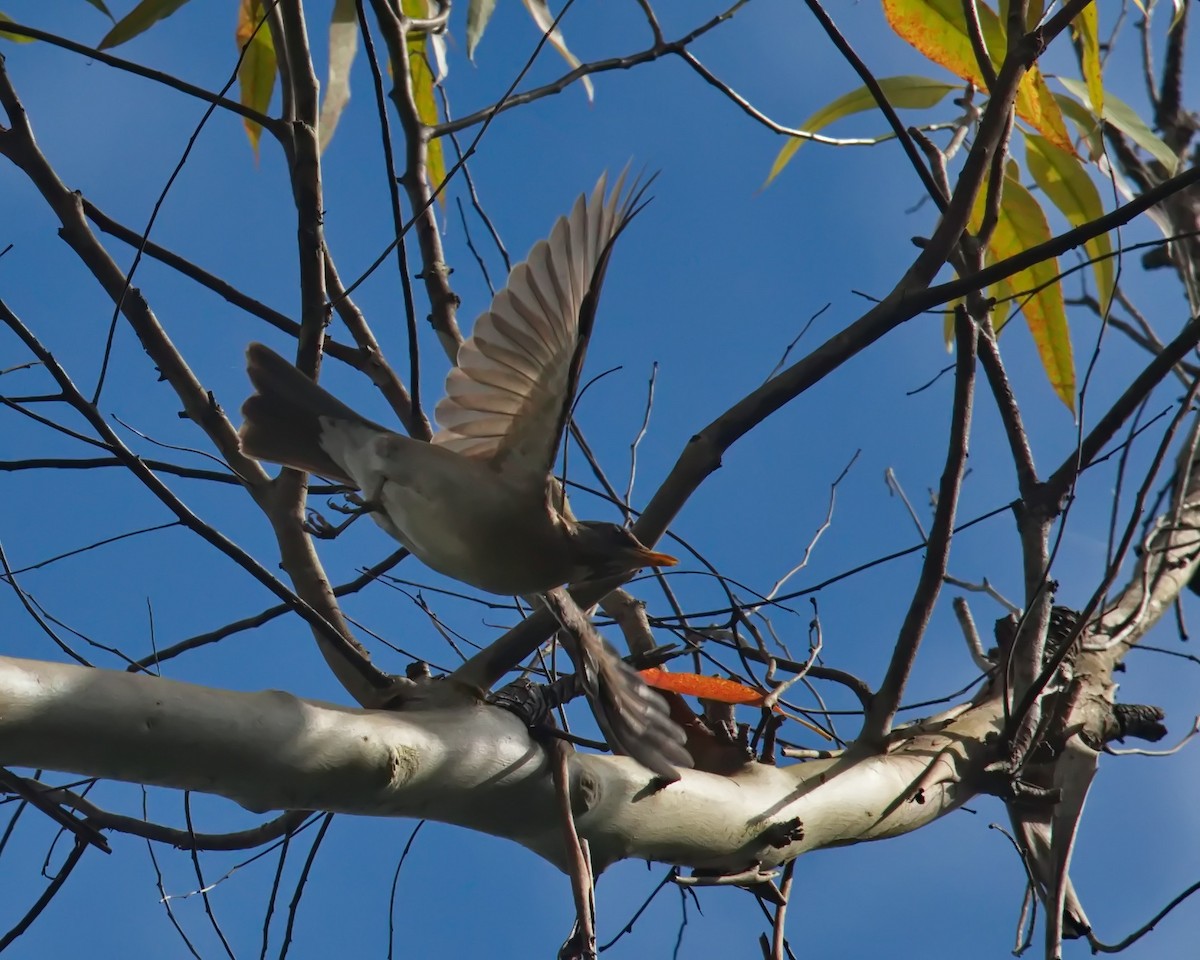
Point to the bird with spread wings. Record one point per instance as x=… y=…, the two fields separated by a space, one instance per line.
x=479 y=503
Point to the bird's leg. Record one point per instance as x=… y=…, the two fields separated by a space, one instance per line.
x=317 y=526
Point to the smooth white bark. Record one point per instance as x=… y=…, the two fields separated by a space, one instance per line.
x=458 y=761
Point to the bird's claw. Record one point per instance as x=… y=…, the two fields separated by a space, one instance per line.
x=358 y=505
x=317 y=526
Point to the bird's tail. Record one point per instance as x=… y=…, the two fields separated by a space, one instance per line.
x=282 y=419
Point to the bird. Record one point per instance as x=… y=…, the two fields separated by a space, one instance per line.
x=479 y=502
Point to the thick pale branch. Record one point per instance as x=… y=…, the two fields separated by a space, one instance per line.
x=454 y=759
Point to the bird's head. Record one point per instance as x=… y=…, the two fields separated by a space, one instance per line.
x=605 y=549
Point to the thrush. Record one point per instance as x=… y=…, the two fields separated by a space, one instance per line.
x=478 y=503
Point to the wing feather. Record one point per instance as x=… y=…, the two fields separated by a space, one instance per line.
x=509 y=396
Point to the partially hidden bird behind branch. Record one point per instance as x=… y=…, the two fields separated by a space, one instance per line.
x=479 y=503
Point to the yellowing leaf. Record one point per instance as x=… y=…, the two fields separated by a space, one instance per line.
x=902 y=92
x=141 y=18
x=14 y=37
x=256 y=74
x=422 y=76
x=1062 y=177
x=1036 y=105
x=1087 y=28
x=1022 y=225
x=343 y=45
x=938 y=28
x=1122 y=116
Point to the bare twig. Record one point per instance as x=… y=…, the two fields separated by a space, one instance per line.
x=883 y=706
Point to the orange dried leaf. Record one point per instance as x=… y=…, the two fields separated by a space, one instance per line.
x=698 y=685
x=716 y=688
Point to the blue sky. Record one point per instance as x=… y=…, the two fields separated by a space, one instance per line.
x=712 y=282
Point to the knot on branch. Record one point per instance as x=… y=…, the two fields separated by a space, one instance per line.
x=1140 y=720
x=532 y=702
x=779 y=835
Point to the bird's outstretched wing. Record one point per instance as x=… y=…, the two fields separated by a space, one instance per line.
x=509 y=397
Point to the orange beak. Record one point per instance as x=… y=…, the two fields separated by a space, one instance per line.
x=651 y=558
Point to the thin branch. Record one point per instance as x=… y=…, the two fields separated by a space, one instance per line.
x=368 y=576
x=347 y=647
x=203 y=887
x=1010 y=412
x=127 y=282
x=583 y=938
x=655 y=52
x=978 y=45
x=29 y=792
x=395 y=882
x=294 y=906
x=883 y=706
x=1169 y=751
x=281 y=825
x=221 y=288
x=1099 y=946
x=163 y=897
x=1107 y=426
x=159 y=466
x=416 y=415
x=435 y=273
x=91 y=53
x=881 y=101
x=48 y=894
x=971 y=634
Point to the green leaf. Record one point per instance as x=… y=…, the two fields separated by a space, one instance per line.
x=903 y=92
x=103 y=8
x=343 y=45
x=479 y=12
x=1063 y=178
x=256 y=75
x=138 y=20
x=1085 y=120
x=14 y=37
x=1122 y=116
x=423 y=84
x=540 y=11
x=1087 y=28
